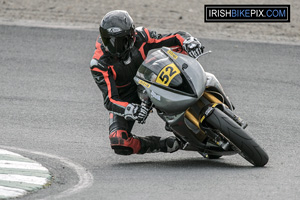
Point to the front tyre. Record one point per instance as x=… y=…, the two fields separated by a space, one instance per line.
x=238 y=137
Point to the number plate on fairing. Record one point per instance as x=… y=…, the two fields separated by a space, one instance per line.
x=166 y=75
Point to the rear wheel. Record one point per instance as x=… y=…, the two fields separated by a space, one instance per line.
x=238 y=137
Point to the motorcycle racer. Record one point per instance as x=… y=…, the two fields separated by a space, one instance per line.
x=120 y=50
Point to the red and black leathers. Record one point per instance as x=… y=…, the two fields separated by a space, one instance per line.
x=115 y=78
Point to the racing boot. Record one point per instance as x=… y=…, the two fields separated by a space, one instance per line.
x=152 y=144
x=169 y=144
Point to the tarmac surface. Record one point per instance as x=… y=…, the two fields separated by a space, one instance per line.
x=52 y=112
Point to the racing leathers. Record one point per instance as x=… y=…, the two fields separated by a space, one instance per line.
x=114 y=77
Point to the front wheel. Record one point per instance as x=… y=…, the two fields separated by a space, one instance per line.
x=238 y=137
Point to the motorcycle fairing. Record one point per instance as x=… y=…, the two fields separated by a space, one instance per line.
x=179 y=92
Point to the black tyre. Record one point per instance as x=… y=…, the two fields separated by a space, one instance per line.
x=212 y=157
x=238 y=137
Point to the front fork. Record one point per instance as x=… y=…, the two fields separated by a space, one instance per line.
x=216 y=103
x=206 y=111
x=210 y=108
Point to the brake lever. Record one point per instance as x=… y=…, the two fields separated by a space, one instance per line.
x=149 y=111
x=202 y=54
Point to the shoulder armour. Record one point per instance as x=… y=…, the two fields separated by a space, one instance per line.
x=95 y=63
x=140 y=30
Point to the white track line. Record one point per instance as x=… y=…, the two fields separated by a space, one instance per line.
x=86 y=179
x=23 y=179
x=11 y=192
x=12 y=184
x=3 y=152
x=21 y=165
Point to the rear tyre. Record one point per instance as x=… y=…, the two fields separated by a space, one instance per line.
x=238 y=137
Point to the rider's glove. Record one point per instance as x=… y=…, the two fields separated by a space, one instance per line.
x=135 y=112
x=193 y=47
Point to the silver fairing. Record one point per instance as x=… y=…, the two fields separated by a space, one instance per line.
x=213 y=82
x=186 y=89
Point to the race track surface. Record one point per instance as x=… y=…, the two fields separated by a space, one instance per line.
x=51 y=111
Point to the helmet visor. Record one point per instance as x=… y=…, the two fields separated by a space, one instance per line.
x=117 y=45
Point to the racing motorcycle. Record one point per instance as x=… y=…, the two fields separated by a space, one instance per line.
x=194 y=107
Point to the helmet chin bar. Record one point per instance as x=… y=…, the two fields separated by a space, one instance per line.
x=125 y=56
x=128 y=60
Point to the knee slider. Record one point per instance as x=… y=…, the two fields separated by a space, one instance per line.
x=122 y=150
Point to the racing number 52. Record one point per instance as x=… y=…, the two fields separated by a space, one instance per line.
x=167 y=74
x=165 y=77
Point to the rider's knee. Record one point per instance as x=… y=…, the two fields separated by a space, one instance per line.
x=123 y=143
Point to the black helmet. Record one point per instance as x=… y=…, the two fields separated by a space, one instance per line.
x=117 y=33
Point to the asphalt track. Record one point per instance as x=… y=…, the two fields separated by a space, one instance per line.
x=51 y=111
